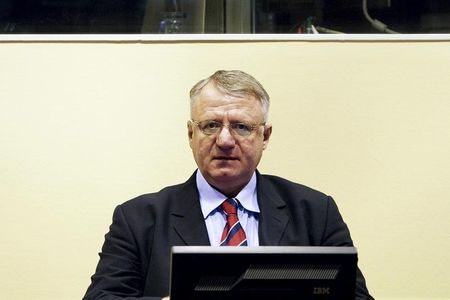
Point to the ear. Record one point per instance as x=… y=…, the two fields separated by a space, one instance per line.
x=267 y=133
x=190 y=132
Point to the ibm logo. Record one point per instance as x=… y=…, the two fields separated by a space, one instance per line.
x=321 y=291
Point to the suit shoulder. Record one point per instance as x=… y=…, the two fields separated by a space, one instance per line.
x=283 y=184
x=160 y=198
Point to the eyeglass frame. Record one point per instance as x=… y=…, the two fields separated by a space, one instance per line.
x=253 y=127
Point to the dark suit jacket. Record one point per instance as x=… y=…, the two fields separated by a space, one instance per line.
x=134 y=261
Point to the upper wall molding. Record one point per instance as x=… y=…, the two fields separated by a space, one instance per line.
x=133 y=38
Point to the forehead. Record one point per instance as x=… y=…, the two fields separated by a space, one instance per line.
x=214 y=103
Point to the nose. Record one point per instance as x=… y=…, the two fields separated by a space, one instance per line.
x=225 y=139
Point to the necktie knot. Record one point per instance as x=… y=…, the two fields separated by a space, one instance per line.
x=230 y=206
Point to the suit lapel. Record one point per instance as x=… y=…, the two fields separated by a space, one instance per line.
x=188 y=222
x=187 y=216
x=274 y=215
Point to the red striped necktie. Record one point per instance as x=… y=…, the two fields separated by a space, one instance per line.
x=233 y=233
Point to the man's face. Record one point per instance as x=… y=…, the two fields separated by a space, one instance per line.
x=226 y=159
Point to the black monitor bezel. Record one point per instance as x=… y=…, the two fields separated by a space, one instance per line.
x=190 y=263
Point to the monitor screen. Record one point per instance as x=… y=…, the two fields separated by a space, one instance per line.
x=266 y=272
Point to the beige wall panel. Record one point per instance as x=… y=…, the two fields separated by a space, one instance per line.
x=86 y=126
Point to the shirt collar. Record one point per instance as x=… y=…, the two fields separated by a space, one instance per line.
x=210 y=198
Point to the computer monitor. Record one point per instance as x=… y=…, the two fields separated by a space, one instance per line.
x=265 y=272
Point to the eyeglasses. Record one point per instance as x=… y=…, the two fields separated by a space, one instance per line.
x=209 y=127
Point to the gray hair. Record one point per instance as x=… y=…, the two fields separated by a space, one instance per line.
x=235 y=83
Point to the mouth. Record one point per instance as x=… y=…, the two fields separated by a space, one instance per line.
x=225 y=158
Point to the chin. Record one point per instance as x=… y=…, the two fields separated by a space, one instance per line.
x=223 y=174
x=220 y=176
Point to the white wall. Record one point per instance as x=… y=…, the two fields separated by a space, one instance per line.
x=86 y=126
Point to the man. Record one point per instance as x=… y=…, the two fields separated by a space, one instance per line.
x=228 y=132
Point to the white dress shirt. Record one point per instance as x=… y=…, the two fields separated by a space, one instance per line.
x=215 y=219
